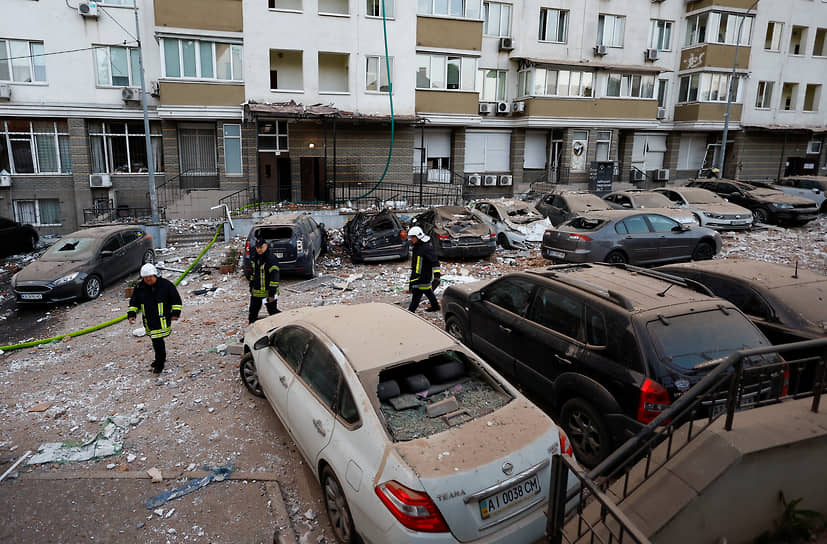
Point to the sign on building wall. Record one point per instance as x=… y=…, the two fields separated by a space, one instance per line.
x=579 y=146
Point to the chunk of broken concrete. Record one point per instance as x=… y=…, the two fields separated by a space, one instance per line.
x=155 y=474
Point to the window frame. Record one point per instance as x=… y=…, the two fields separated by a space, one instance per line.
x=816 y=99
x=31 y=136
x=626 y=85
x=544 y=25
x=777 y=36
x=513 y=282
x=534 y=72
x=106 y=137
x=656 y=34
x=198 y=62
x=793 y=96
x=471 y=9
x=33 y=66
x=620 y=20
x=300 y=9
x=381 y=74
x=763 y=93
x=501 y=85
x=607 y=142
x=108 y=51
x=240 y=140
x=486 y=6
x=278 y=135
x=377 y=4
x=445 y=60
x=703 y=84
x=19 y=216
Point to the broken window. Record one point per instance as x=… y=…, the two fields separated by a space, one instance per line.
x=798 y=38
x=812 y=96
x=789 y=95
x=333 y=72
x=120 y=147
x=286 y=70
x=34 y=147
x=512 y=294
x=818 y=45
x=772 y=40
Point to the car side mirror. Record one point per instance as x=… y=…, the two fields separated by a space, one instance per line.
x=680 y=228
x=476 y=297
x=321 y=226
x=262 y=342
x=107 y=253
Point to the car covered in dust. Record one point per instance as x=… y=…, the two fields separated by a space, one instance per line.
x=412 y=437
x=375 y=236
x=456 y=232
x=564 y=205
x=514 y=221
x=639 y=199
x=295 y=239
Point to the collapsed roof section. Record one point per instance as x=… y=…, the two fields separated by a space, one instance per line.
x=294 y=110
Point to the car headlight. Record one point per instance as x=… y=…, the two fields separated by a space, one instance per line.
x=713 y=215
x=783 y=206
x=67 y=278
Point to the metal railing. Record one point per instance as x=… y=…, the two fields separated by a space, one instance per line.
x=120 y=214
x=170 y=190
x=361 y=194
x=240 y=199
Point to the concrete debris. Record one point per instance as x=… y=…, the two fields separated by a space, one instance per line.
x=42 y=407
x=139 y=332
x=109 y=441
x=155 y=474
x=217 y=475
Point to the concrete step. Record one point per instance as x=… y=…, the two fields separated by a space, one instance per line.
x=197 y=204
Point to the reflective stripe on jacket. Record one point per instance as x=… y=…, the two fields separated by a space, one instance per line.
x=423 y=265
x=264 y=274
x=158 y=304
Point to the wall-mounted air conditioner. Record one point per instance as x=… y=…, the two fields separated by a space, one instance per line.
x=506 y=44
x=5 y=92
x=155 y=88
x=661 y=113
x=128 y=94
x=506 y=180
x=601 y=50
x=88 y=9
x=486 y=107
x=100 y=181
x=638 y=175
x=518 y=107
x=5 y=179
x=503 y=107
x=489 y=180
x=475 y=180
x=650 y=54
x=662 y=174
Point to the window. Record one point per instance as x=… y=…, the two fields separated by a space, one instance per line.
x=197 y=149
x=491 y=84
x=291 y=343
x=374 y=8
x=610 y=30
x=286 y=70
x=320 y=372
x=717 y=27
x=660 y=35
x=232 y=149
x=117 y=66
x=496 y=19
x=789 y=94
x=812 y=96
x=661 y=223
x=468 y=9
x=772 y=40
x=433 y=155
x=333 y=7
x=445 y=72
x=272 y=136
x=798 y=39
x=42 y=212
x=603 y=145
x=553 y=25
x=579 y=150
x=558 y=312
x=120 y=147
x=696 y=29
x=548 y=82
x=376 y=73
x=818 y=45
x=347 y=406
x=22 y=61
x=708 y=87
x=763 y=97
x=536 y=149
x=633 y=225
x=663 y=86
x=630 y=85
x=487 y=151
x=35 y=147
x=198 y=59
x=292 y=5
x=333 y=72
x=511 y=294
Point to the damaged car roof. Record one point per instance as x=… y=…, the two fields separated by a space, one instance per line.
x=280 y=219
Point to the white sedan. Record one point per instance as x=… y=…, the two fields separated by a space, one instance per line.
x=412 y=437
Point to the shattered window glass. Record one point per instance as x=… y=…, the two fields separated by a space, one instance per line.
x=71 y=249
x=511 y=294
x=291 y=343
x=320 y=372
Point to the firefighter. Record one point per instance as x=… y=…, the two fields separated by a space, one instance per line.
x=160 y=304
x=264 y=280
x=425 y=271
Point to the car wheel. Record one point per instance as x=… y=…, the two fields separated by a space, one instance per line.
x=311 y=268
x=703 y=252
x=502 y=239
x=453 y=326
x=760 y=215
x=616 y=257
x=338 y=511
x=31 y=243
x=587 y=431
x=249 y=375
x=698 y=219
x=91 y=287
x=149 y=257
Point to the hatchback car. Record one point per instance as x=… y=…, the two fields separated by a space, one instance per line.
x=412 y=437
x=16 y=237
x=514 y=221
x=638 y=199
x=295 y=239
x=375 y=236
x=559 y=207
x=620 y=237
x=767 y=205
x=709 y=209
x=606 y=348
x=80 y=264
x=456 y=232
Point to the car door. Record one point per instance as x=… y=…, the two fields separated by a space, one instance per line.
x=558 y=210
x=673 y=241
x=312 y=398
x=110 y=258
x=637 y=240
x=133 y=249
x=733 y=194
x=277 y=365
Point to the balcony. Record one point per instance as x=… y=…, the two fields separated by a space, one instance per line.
x=706 y=111
x=693 y=5
x=191 y=93
x=438 y=101
x=222 y=15
x=714 y=55
x=448 y=33
x=598 y=108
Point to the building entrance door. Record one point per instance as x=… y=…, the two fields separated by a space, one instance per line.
x=268 y=179
x=313 y=179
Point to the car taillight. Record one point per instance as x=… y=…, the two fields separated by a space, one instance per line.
x=414 y=509
x=575 y=236
x=654 y=399
x=548 y=231
x=442 y=236
x=785 y=389
x=565 y=445
x=300 y=245
x=493 y=235
x=247 y=248
x=403 y=235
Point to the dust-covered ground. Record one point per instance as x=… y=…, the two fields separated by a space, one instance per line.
x=197 y=414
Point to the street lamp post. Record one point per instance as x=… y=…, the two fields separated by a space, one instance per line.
x=729 y=90
x=150 y=160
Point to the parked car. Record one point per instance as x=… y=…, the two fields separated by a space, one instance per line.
x=80 y=264
x=559 y=207
x=787 y=304
x=16 y=237
x=638 y=199
x=375 y=236
x=810 y=187
x=617 y=236
x=514 y=221
x=456 y=232
x=295 y=239
x=412 y=437
x=710 y=210
x=767 y=205
x=605 y=348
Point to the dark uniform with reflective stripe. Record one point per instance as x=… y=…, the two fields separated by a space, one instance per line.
x=425 y=275
x=158 y=304
x=264 y=283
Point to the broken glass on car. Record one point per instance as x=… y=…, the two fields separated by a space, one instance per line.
x=72 y=249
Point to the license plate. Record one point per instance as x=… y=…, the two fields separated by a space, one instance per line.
x=31 y=296
x=556 y=254
x=746 y=402
x=279 y=254
x=514 y=495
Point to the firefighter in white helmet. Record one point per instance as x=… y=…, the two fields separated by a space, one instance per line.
x=160 y=304
x=425 y=271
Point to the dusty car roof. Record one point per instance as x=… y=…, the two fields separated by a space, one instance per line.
x=449 y=211
x=280 y=219
x=768 y=275
x=100 y=232
x=612 y=214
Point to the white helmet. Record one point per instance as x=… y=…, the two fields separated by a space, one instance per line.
x=420 y=234
x=148 y=270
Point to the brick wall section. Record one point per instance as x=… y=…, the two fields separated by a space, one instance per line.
x=762 y=155
x=517 y=158
x=81 y=168
x=172 y=164
x=61 y=187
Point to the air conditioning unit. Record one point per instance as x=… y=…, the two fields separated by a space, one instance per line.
x=662 y=174
x=129 y=94
x=489 y=180
x=600 y=50
x=506 y=180
x=155 y=88
x=813 y=147
x=5 y=92
x=88 y=9
x=506 y=44
x=503 y=107
x=475 y=179
x=518 y=107
x=486 y=107
x=661 y=113
x=638 y=175
x=100 y=181
x=650 y=54
x=5 y=179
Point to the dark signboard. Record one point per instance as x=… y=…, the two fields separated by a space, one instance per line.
x=600 y=176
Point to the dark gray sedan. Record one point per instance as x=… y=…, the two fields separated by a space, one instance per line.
x=80 y=264
x=617 y=236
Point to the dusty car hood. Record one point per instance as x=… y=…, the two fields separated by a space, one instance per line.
x=45 y=271
x=678 y=214
x=769 y=195
x=723 y=208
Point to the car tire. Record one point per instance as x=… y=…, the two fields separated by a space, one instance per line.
x=149 y=257
x=760 y=215
x=502 y=240
x=338 y=512
x=453 y=326
x=311 y=268
x=587 y=431
x=249 y=375
x=704 y=251
x=616 y=257
x=91 y=287
x=31 y=241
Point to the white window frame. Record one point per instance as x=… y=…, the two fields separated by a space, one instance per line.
x=107 y=50
x=381 y=74
x=35 y=50
x=504 y=23
x=602 y=141
x=763 y=95
x=545 y=25
x=278 y=135
x=466 y=64
x=500 y=82
x=18 y=216
x=373 y=9
x=582 y=76
x=335 y=13
x=617 y=23
x=108 y=135
x=816 y=98
x=234 y=78
x=31 y=137
x=709 y=84
x=275 y=7
x=627 y=84
x=775 y=33
x=471 y=9
x=658 y=28
x=227 y=171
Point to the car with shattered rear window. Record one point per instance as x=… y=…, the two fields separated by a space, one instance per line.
x=295 y=239
x=456 y=232
x=514 y=221
x=564 y=205
x=375 y=236
x=412 y=437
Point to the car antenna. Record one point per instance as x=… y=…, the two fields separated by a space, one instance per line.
x=663 y=293
x=796 y=269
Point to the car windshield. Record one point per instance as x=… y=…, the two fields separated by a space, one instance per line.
x=801 y=299
x=72 y=249
x=653 y=200
x=584 y=223
x=691 y=339
x=701 y=196
x=584 y=203
x=521 y=213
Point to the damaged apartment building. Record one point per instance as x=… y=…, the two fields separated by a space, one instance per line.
x=288 y=100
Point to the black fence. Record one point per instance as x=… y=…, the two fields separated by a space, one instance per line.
x=362 y=194
x=120 y=214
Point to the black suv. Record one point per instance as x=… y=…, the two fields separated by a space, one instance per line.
x=605 y=348
x=767 y=205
